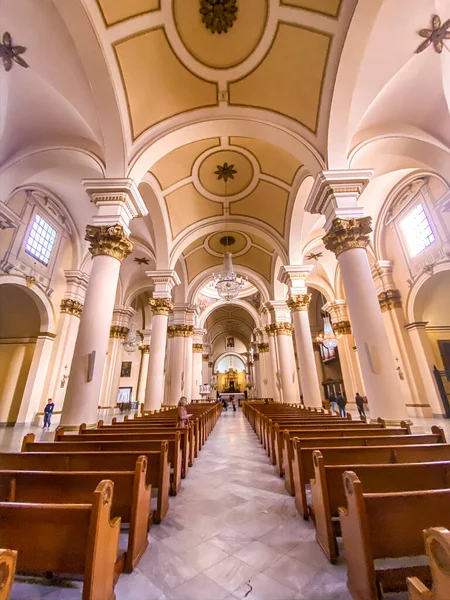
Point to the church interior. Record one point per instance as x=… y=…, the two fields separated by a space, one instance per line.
x=224 y=289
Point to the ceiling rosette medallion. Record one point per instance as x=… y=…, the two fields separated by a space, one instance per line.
x=218 y=15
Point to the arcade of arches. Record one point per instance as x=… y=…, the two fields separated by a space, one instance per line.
x=338 y=205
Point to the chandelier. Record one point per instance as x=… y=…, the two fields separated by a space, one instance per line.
x=327 y=337
x=228 y=285
x=131 y=343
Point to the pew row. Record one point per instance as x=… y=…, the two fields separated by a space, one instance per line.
x=157 y=475
x=69 y=539
x=437 y=546
x=130 y=502
x=303 y=470
x=327 y=491
x=379 y=563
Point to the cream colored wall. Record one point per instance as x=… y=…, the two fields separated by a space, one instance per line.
x=132 y=381
x=15 y=362
x=435 y=298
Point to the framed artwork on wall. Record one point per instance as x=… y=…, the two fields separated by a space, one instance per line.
x=125 y=370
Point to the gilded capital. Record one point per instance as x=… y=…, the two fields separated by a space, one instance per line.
x=118 y=332
x=145 y=349
x=71 y=307
x=270 y=330
x=205 y=358
x=160 y=306
x=263 y=348
x=298 y=302
x=346 y=234
x=283 y=328
x=390 y=299
x=108 y=241
x=180 y=331
x=210 y=365
x=197 y=348
x=256 y=356
x=342 y=328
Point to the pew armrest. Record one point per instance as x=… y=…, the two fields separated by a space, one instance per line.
x=437 y=545
x=8 y=559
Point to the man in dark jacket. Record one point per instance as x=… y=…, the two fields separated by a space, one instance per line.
x=341 y=402
x=360 y=405
x=48 y=411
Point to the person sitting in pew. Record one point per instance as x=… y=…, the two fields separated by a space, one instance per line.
x=183 y=415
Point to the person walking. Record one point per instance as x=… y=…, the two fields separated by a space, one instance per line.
x=333 y=403
x=183 y=416
x=360 y=405
x=48 y=411
x=233 y=402
x=341 y=402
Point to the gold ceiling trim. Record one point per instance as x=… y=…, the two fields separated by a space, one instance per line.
x=266 y=54
x=233 y=64
x=135 y=35
x=312 y=10
x=113 y=23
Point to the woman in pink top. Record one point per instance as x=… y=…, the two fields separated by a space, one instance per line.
x=183 y=416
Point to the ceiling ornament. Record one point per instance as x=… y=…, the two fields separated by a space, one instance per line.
x=436 y=35
x=10 y=53
x=141 y=261
x=225 y=172
x=218 y=15
x=312 y=256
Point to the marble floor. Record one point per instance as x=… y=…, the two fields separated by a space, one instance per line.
x=232 y=532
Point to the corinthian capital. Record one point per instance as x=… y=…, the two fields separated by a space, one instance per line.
x=298 y=302
x=160 y=306
x=71 y=307
x=180 y=331
x=108 y=241
x=346 y=234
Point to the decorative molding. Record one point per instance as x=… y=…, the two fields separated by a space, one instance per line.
x=263 y=348
x=71 y=307
x=256 y=356
x=180 y=331
x=346 y=234
x=342 y=328
x=218 y=15
x=390 y=299
x=108 y=241
x=118 y=332
x=145 y=349
x=436 y=35
x=197 y=348
x=8 y=218
x=283 y=328
x=269 y=330
x=297 y=302
x=10 y=53
x=160 y=306
x=205 y=358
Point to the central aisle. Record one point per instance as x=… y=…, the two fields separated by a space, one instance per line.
x=233 y=532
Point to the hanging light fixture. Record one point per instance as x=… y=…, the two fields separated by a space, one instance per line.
x=327 y=338
x=228 y=285
x=131 y=343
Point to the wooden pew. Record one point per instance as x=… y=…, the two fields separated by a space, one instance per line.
x=437 y=546
x=387 y=526
x=187 y=437
x=84 y=443
x=303 y=470
x=8 y=560
x=66 y=538
x=384 y=438
x=284 y=453
x=131 y=500
x=327 y=490
x=158 y=467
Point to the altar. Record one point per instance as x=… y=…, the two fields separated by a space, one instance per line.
x=227 y=396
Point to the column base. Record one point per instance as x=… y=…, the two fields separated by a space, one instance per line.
x=423 y=411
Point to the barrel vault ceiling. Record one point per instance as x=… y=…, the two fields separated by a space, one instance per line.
x=276 y=64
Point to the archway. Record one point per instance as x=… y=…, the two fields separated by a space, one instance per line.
x=20 y=323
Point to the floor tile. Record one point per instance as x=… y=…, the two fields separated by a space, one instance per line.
x=231 y=573
x=199 y=588
x=258 y=555
x=263 y=587
x=203 y=556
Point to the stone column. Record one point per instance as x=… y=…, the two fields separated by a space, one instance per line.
x=66 y=335
x=319 y=367
x=178 y=335
x=118 y=201
x=257 y=375
x=290 y=389
x=143 y=372
x=188 y=361
x=205 y=369
x=335 y=194
x=274 y=372
x=424 y=357
x=263 y=350
x=197 y=349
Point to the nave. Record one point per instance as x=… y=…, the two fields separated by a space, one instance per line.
x=232 y=522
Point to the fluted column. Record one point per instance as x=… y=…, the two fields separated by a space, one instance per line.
x=178 y=385
x=290 y=389
x=154 y=392
x=205 y=369
x=197 y=350
x=188 y=361
x=263 y=350
x=335 y=194
x=144 y=349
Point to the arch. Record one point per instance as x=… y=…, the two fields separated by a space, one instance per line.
x=418 y=284
x=229 y=353
x=212 y=307
x=45 y=307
